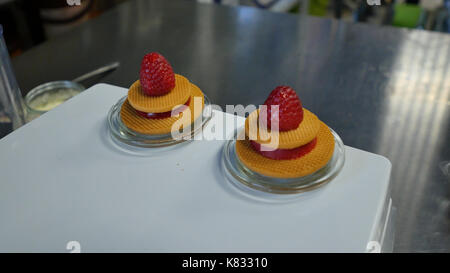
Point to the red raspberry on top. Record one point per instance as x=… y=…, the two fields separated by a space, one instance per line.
x=290 y=108
x=156 y=75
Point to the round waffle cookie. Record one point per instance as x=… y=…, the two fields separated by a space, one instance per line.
x=294 y=168
x=305 y=132
x=158 y=126
x=158 y=104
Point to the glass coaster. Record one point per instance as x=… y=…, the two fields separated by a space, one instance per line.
x=264 y=186
x=135 y=141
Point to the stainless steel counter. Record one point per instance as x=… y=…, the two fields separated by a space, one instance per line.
x=384 y=90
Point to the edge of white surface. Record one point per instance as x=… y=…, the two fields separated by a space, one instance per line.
x=384 y=207
x=60 y=107
x=378 y=223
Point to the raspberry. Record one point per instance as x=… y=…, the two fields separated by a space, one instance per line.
x=156 y=75
x=167 y=114
x=290 y=112
x=285 y=154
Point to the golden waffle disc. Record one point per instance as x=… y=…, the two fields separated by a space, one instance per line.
x=159 y=104
x=305 y=132
x=299 y=167
x=158 y=126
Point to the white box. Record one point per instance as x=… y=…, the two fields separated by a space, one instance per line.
x=62 y=179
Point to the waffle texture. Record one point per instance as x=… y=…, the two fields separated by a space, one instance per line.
x=147 y=126
x=158 y=104
x=293 y=168
x=305 y=132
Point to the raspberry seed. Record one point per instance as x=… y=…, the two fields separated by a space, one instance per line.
x=156 y=75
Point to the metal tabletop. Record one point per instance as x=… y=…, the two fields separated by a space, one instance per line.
x=383 y=89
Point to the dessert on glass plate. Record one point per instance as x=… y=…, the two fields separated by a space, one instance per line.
x=161 y=109
x=283 y=148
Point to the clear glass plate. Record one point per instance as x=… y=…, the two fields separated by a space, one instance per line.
x=257 y=184
x=135 y=141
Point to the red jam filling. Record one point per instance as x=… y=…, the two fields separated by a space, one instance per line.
x=283 y=154
x=164 y=114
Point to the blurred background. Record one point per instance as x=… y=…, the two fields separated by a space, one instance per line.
x=385 y=90
x=27 y=23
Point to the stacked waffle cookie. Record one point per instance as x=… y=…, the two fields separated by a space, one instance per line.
x=160 y=99
x=300 y=145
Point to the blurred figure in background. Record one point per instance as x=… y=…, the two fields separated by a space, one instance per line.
x=27 y=23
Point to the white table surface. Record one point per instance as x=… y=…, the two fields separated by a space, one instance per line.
x=62 y=179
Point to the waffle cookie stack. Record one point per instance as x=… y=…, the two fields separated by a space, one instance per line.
x=160 y=98
x=301 y=146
